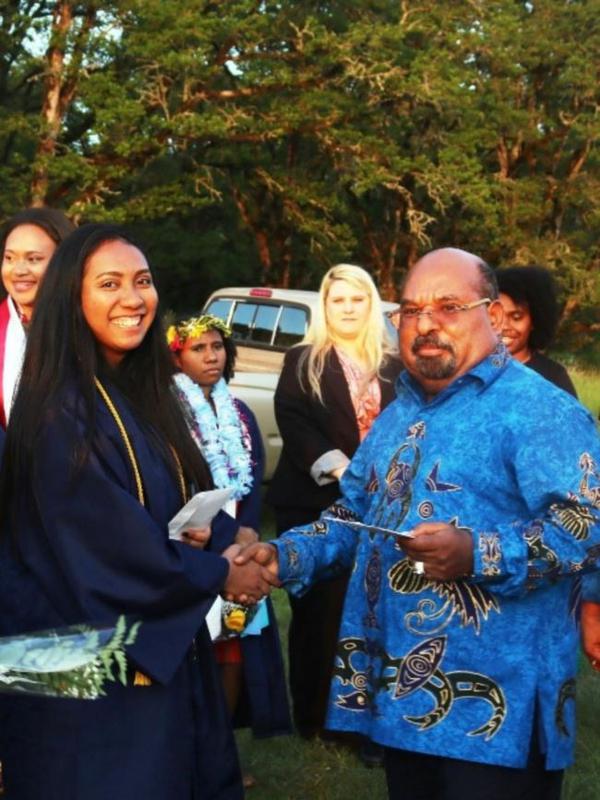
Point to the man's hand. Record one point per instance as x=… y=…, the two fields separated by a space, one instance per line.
x=590 y=632
x=197 y=537
x=262 y=553
x=248 y=581
x=446 y=551
x=246 y=536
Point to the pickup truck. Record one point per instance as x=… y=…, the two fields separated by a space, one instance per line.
x=265 y=323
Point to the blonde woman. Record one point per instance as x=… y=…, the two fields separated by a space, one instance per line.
x=332 y=386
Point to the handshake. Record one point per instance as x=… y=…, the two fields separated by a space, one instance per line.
x=253 y=565
x=253 y=572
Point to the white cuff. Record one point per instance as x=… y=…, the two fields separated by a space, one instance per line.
x=321 y=470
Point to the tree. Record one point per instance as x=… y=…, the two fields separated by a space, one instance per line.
x=272 y=139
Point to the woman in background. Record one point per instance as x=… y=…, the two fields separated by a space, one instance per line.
x=531 y=316
x=27 y=243
x=227 y=433
x=98 y=459
x=332 y=387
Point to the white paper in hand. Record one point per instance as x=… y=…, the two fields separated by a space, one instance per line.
x=199 y=511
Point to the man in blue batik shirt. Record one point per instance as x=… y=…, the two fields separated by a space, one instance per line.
x=465 y=673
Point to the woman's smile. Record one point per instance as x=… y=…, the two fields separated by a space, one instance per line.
x=118 y=298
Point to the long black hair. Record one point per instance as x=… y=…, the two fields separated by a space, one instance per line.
x=534 y=287
x=62 y=348
x=50 y=220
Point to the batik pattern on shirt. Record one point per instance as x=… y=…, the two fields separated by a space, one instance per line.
x=457 y=668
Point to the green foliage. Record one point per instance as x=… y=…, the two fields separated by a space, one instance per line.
x=587 y=385
x=279 y=138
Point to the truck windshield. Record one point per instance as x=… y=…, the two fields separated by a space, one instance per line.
x=270 y=324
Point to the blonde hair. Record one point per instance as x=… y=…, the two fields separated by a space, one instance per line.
x=373 y=341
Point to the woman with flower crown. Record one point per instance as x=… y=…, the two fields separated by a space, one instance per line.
x=227 y=434
x=98 y=459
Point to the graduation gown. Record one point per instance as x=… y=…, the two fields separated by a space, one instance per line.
x=87 y=552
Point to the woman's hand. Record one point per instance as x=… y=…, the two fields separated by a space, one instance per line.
x=197 y=537
x=246 y=536
x=263 y=553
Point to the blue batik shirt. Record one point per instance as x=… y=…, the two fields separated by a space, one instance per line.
x=591 y=587
x=462 y=668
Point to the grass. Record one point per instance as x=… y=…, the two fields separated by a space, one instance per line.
x=588 y=389
x=583 y=779
x=290 y=768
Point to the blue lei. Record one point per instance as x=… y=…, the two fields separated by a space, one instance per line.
x=220 y=434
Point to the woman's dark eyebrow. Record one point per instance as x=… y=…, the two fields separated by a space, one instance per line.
x=115 y=273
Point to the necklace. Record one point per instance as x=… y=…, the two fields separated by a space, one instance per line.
x=220 y=434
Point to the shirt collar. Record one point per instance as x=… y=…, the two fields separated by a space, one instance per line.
x=484 y=372
x=14 y=311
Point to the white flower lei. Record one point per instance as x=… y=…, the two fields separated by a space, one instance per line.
x=224 y=442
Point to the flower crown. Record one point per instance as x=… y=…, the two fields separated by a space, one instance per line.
x=193 y=328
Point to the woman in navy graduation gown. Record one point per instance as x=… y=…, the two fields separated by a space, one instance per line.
x=97 y=460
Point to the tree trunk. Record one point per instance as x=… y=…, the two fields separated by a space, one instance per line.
x=262 y=241
x=60 y=84
x=51 y=107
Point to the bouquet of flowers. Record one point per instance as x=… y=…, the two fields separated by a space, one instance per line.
x=70 y=662
x=241 y=620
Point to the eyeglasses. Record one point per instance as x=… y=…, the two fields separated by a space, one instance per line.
x=441 y=312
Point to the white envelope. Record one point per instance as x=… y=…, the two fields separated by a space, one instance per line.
x=199 y=511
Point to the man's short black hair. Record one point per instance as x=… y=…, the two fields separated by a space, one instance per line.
x=488 y=283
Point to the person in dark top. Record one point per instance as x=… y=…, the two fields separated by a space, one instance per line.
x=531 y=315
x=331 y=388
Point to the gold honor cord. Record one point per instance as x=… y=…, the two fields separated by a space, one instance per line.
x=124 y=435
x=130 y=452
x=140 y=678
x=180 y=478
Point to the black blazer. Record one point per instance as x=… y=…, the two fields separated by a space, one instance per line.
x=310 y=428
